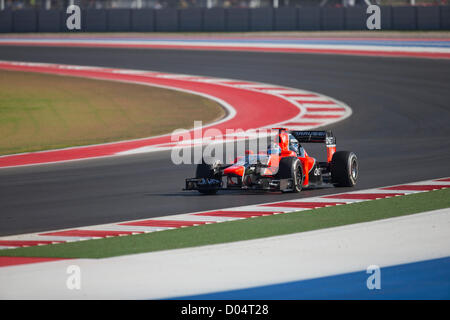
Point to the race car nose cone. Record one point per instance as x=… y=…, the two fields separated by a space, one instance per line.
x=234 y=170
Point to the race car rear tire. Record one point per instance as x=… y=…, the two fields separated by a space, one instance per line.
x=291 y=168
x=206 y=171
x=344 y=169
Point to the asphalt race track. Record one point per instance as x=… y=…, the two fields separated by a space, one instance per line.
x=399 y=129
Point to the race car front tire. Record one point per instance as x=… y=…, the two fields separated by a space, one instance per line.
x=291 y=168
x=206 y=171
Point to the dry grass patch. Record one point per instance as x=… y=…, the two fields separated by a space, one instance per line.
x=39 y=111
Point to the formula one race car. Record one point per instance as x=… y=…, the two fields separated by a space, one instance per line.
x=285 y=167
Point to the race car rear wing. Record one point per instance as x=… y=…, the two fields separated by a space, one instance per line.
x=326 y=137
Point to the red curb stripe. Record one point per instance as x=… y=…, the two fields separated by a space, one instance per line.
x=88 y=233
x=364 y=196
x=248 y=104
x=226 y=37
x=237 y=214
x=309 y=205
x=272 y=88
x=314 y=101
x=165 y=223
x=417 y=187
x=293 y=95
x=14 y=261
x=445 y=179
x=25 y=243
x=322 y=116
x=235 y=83
x=319 y=109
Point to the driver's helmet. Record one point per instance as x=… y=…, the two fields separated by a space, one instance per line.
x=293 y=144
x=274 y=149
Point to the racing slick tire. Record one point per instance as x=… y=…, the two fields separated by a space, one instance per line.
x=291 y=168
x=207 y=171
x=344 y=169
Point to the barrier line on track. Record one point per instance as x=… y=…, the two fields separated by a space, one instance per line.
x=250 y=105
x=125 y=228
x=362 y=47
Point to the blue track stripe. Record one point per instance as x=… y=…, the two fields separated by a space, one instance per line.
x=419 y=280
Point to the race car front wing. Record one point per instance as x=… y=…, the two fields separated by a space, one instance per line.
x=265 y=184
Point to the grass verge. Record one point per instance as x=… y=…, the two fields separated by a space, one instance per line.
x=243 y=229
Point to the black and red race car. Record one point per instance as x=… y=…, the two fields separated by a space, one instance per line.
x=285 y=167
